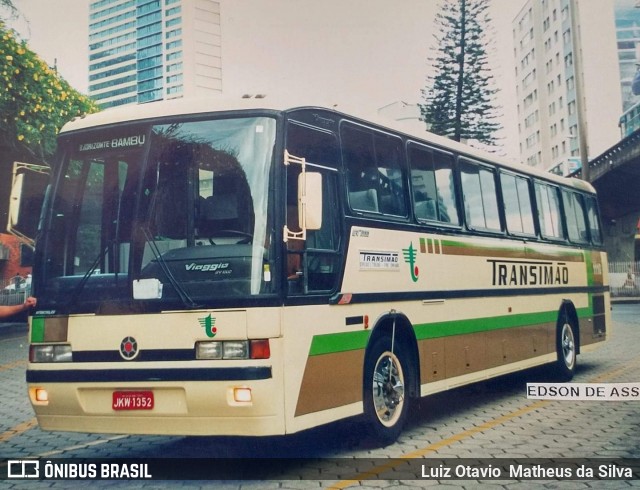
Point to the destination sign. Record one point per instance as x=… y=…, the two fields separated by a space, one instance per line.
x=114 y=143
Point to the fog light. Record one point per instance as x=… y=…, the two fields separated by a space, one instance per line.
x=242 y=395
x=42 y=395
x=39 y=396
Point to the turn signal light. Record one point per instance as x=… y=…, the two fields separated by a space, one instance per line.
x=260 y=349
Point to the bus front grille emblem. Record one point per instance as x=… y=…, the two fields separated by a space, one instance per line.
x=128 y=348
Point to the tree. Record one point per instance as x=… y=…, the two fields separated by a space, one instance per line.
x=35 y=102
x=9 y=7
x=459 y=98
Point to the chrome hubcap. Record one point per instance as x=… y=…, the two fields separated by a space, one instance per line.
x=568 y=346
x=388 y=389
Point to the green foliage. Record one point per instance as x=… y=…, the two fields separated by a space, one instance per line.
x=459 y=98
x=35 y=102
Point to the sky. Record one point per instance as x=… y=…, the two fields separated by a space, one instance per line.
x=367 y=52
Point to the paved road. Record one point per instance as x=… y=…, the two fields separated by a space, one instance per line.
x=493 y=419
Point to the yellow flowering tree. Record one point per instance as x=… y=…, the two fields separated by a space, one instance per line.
x=35 y=102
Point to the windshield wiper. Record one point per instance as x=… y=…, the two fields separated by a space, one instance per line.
x=187 y=301
x=78 y=289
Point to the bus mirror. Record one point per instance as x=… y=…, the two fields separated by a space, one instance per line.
x=27 y=194
x=310 y=200
x=14 y=202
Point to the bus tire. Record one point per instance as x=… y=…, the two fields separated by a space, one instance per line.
x=386 y=400
x=566 y=348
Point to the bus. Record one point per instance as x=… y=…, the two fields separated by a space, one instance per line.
x=629 y=121
x=246 y=267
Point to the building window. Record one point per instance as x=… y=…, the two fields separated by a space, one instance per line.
x=174 y=33
x=174 y=44
x=174 y=56
x=174 y=67
x=174 y=78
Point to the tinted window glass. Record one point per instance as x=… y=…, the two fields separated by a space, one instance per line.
x=433 y=185
x=576 y=219
x=517 y=204
x=374 y=171
x=548 y=211
x=594 y=222
x=480 y=199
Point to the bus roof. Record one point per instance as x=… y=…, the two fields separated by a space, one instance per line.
x=195 y=106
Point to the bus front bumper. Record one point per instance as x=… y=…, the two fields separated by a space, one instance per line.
x=248 y=407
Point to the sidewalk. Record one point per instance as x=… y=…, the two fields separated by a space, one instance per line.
x=8 y=328
x=625 y=299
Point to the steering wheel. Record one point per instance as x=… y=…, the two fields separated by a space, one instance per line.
x=246 y=237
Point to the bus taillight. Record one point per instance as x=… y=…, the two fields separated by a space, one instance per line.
x=233 y=349
x=260 y=349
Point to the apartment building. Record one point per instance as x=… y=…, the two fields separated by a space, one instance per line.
x=146 y=50
x=565 y=55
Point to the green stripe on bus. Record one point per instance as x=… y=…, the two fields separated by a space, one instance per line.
x=557 y=254
x=37 y=329
x=475 y=325
x=346 y=341
x=589 y=265
x=339 y=342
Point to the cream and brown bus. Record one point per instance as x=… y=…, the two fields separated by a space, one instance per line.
x=248 y=268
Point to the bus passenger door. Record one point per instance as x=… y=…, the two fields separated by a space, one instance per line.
x=313 y=264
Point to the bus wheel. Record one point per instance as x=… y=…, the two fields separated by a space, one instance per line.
x=385 y=400
x=566 y=349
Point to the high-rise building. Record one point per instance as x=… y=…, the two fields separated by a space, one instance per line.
x=565 y=58
x=146 y=50
x=627 y=14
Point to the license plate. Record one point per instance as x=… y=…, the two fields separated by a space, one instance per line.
x=132 y=400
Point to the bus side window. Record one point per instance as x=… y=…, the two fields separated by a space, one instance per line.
x=517 y=204
x=593 y=220
x=391 y=185
x=576 y=218
x=549 y=216
x=362 y=175
x=432 y=185
x=480 y=198
x=375 y=180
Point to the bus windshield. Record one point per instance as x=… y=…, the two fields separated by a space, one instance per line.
x=182 y=206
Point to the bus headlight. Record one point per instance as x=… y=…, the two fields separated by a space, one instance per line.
x=208 y=350
x=50 y=353
x=236 y=349
x=233 y=349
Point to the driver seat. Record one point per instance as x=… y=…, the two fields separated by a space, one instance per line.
x=219 y=212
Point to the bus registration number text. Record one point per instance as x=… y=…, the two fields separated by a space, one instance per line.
x=132 y=400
